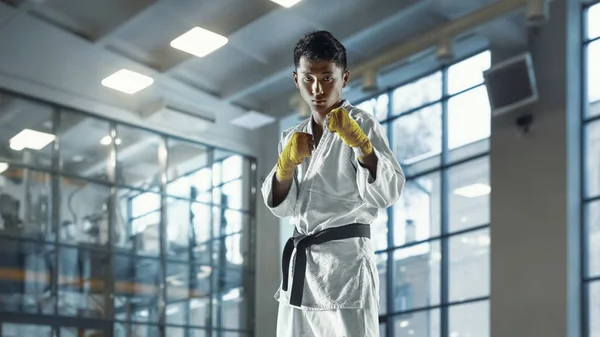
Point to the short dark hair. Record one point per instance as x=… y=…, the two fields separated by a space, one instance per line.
x=320 y=46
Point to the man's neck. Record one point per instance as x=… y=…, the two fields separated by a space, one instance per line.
x=318 y=121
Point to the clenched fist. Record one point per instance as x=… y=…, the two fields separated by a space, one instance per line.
x=339 y=121
x=300 y=146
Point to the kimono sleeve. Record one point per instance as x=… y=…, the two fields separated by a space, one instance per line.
x=286 y=207
x=386 y=188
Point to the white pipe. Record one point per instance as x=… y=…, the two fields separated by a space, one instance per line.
x=432 y=38
x=538 y=12
x=370 y=81
x=445 y=51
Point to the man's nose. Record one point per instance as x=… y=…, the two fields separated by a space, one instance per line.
x=317 y=88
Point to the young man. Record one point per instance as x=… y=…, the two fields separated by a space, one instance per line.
x=334 y=173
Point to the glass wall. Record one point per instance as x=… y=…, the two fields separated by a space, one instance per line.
x=112 y=228
x=433 y=245
x=591 y=172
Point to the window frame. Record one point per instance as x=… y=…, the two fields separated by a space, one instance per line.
x=111 y=249
x=586 y=121
x=443 y=169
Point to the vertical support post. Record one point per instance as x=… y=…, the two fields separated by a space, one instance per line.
x=445 y=216
x=57 y=169
x=162 y=295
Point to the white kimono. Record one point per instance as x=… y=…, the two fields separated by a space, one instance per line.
x=331 y=189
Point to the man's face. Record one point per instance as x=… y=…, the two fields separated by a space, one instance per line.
x=320 y=84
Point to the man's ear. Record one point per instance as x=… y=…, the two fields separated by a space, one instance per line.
x=295 y=76
x=346 y=78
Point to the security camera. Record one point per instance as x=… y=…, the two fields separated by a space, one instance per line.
x=524 y=123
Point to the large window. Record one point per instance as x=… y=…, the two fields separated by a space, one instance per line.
x=108 y=229
x=433 y=245
x=591 y=172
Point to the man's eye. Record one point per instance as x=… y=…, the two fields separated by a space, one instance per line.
x=328 y=79
x=307 y=78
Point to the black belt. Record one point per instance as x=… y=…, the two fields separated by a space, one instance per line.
x=302 y=243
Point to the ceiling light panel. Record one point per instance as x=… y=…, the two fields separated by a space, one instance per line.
x=286 y=3
x=127 y=81
x=31 y=139
x=199 y=42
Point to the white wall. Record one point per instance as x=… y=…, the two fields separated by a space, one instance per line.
x=534 y=256
x=268 y=256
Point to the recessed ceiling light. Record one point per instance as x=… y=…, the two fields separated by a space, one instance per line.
x=199 y=42
x=127 y=81
x=3 y=167
x=473 y=191
x=286 y=3
x=31 y=139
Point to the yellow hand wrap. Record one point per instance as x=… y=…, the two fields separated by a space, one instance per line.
x=292 y=155
x=349 y=131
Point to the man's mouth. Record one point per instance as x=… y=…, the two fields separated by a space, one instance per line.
x=318 y=101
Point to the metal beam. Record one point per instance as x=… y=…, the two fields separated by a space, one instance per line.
x=105 y=38
x=9 y=108
x=411 y=47
x=249 y=22
x=286 y=72
x=506 y=33
x=226 y=110
x=431 y=38
x=268 y=80
x=17 y=10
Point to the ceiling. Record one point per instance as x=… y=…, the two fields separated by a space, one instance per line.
x=62 y=50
